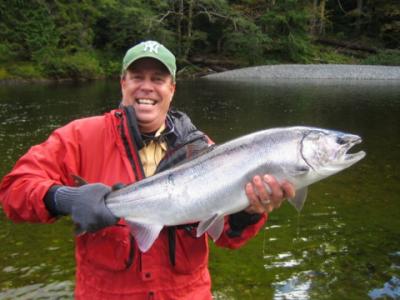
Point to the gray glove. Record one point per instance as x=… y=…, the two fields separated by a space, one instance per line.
x=86 y=206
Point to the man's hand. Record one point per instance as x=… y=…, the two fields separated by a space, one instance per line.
x=86 y=205
x=266 y=193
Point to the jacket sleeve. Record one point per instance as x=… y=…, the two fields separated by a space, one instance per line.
x=22 y=191
x=234 y=238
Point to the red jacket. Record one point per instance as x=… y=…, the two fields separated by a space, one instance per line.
x=109 y=263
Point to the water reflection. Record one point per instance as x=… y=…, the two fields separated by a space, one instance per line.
x=307 y=249
x=390 y=289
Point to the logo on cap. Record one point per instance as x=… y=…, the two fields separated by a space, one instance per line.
x=151 y=46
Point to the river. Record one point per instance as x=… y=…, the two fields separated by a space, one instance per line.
x=343 y=245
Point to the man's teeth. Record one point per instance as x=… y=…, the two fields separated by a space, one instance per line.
x=146 y=101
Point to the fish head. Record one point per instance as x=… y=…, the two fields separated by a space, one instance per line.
x=326 y=151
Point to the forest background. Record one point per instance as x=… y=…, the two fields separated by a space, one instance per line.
x=86 y=39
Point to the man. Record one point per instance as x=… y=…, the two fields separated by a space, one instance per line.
x=142 y=137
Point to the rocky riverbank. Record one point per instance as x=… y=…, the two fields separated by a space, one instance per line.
x=351 y=72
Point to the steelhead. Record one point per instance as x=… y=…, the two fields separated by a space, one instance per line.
x=211 y=186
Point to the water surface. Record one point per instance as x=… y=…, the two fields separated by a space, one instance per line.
x=344 y=244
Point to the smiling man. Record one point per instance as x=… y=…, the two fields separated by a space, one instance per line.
x=142 y=137
x=148 y=83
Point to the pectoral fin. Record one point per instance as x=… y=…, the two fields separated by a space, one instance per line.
x=299 y=199
x=145 y=234
x=214 y=226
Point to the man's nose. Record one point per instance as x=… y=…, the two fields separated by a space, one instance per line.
x=147 y=84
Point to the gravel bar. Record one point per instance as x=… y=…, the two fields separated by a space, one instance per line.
x=354 y=72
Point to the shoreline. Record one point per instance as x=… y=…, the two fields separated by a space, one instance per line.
x=262 y=72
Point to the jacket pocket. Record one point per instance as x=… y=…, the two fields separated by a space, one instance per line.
x=191 y=253
x=110 y=248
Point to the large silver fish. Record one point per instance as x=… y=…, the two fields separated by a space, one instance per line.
x=211 y=185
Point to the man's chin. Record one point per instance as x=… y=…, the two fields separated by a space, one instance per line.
x=147 y=124
x=145 y=117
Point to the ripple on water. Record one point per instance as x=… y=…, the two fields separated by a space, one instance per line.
x=296 y=287
x=55 y=290
x=281 y=260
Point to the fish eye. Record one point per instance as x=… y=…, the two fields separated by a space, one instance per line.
x=340 y=140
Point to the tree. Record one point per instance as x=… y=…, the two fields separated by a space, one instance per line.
x=27 y=28
x=194 y=22
x=287 y=24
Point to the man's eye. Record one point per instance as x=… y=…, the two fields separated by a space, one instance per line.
x=135 y=76
x=159 y=79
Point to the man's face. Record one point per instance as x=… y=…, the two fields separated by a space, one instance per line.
x=149 y=88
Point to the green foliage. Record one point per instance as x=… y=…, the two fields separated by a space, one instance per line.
x=190 y=71
x=388 y=21
x=245 y=42
x=27 y=27
x=5 y=53
x=4 y=74
x=25 y=70
x=109 y=63
x=124 y=23
x=74 y=21
x=87 y=38
x=327 y=55
x=81 y=65
x=387 y=57
x=287 y=25
x=377 y=19
x=112 y=68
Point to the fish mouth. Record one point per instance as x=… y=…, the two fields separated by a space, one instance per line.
x=348 y=142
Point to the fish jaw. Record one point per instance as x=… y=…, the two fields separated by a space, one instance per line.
x=343 y=159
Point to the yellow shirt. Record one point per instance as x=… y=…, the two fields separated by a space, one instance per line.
x=152 y=153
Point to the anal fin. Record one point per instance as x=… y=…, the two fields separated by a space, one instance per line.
x=299 y=199
x=145 y=234
x=213 y=225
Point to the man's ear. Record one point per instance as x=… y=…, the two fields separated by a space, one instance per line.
x=173 y=87
x=122 y=81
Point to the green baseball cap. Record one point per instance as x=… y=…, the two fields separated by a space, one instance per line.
x=151 y=49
